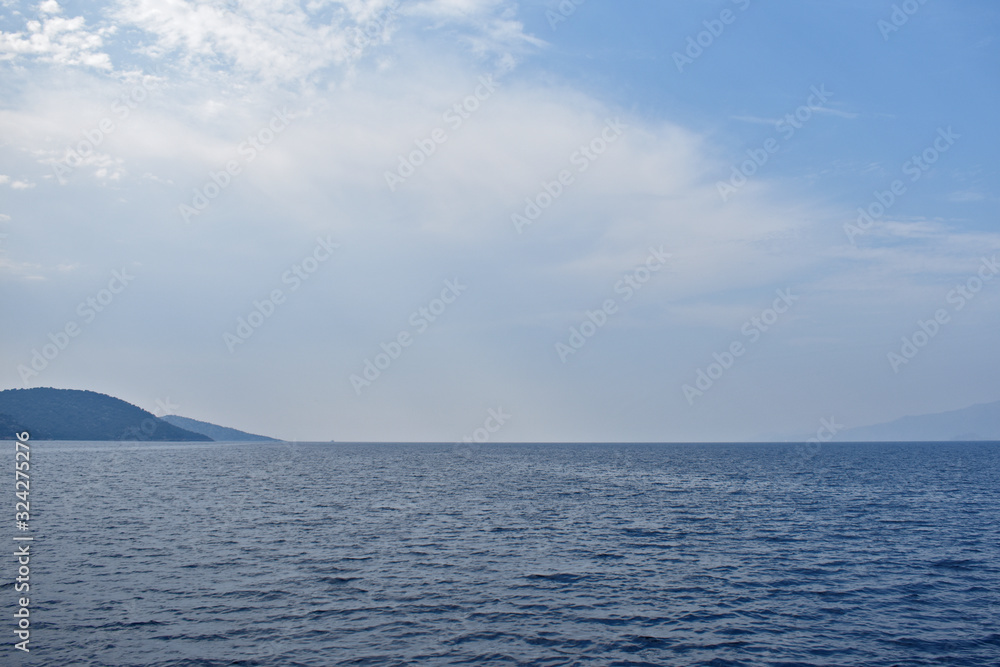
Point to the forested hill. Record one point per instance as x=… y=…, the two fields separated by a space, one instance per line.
x=71 y=414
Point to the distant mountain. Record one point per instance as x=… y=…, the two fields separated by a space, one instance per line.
x=215 y=432
x=70 y=414
x=980 y=422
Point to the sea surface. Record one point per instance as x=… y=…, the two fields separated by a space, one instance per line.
x=364 y=554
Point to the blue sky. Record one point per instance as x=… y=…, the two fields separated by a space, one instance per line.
x=218 y=155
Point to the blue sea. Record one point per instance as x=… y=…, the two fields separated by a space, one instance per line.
x=368 y=554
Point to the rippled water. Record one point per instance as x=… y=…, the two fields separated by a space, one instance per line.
x=300 y=554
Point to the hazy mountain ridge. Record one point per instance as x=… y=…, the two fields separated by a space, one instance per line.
x=214 y=431
x=978 y=422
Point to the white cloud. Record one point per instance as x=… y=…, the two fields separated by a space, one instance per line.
x=21 y=270
x=58 y=40
x=490 y=24
x=757 y=120
x=963 y=196
x=276 y=41
x=456 y=8
x=836 y=112
x=914 y=229
x=101 y=165
x=19 y=184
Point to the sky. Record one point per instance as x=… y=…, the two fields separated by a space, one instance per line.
x=437 y=220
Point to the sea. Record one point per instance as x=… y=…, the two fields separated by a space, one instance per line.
x=213 y=554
